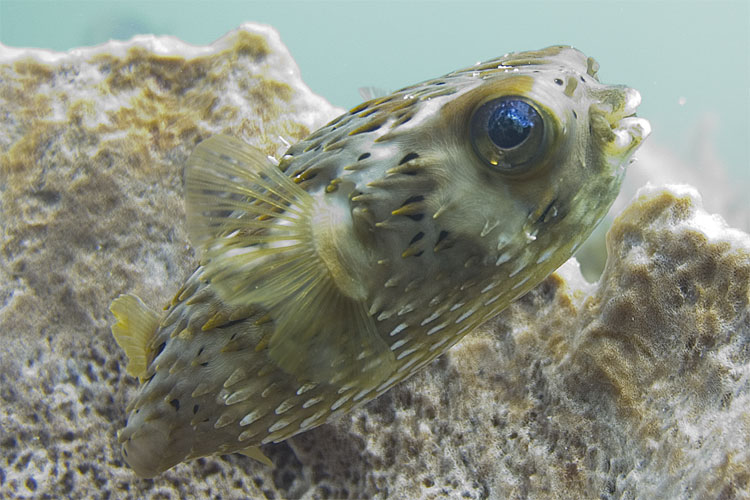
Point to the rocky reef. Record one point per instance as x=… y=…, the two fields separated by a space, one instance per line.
x=637 y=386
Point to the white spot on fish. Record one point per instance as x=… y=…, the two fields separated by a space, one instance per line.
x=340 y=401
x=278 y=425
x=463 y=329
x=392 y=380
x=493 y=299
x=305 y=388
x=438 y=344
x=467 y=314
x=284 y=406
x=406 y=309
x=407 y=352
x=521 y=282
x=436 y=328
x=431 y=317
x=251 y=417
x=245 y=435
x=312 y=401
x=398 y=344
x=517 y=270
x=406 y=365
x=312 y=419
x=361 y=394
x=503 y=258
x=400 y=328
x=546 y=255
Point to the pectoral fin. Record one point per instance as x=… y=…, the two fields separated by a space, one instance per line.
x=255 y=228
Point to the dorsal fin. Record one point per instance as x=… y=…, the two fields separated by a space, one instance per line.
x=133 y=331
x=257 y=232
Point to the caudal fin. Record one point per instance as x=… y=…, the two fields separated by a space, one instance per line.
x=134 y=329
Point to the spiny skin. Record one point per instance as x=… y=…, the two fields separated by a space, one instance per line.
x=397 y=215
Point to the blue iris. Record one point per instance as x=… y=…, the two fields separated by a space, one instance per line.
x=510 y=123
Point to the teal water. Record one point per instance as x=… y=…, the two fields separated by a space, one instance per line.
x=689 y=60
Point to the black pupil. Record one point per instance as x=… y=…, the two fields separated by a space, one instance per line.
x=510 y=123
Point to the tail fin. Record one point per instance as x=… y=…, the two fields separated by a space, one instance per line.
x=134 y=329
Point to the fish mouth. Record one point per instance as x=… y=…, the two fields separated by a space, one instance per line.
x=627 y=127
x=619 y=107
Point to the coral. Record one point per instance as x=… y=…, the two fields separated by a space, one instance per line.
x=637 y=386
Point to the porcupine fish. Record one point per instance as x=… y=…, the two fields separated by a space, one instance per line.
x=372 y=247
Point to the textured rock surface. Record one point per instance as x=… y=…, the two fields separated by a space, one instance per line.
x=636 y=387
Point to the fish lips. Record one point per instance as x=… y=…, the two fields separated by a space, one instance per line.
x=618 y=105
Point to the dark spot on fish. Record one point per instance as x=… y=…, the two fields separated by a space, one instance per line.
x=195 y=409
x=442 y=236
x=359 y=108
x=336 y=120
x=558 y=81
x=160 y=348
x=204 y=364
x=416 y=238
x=413 y=199
x=231 y=323
x=402 y=120
x=416 y=217
x=409 y=157
x=367 y=128
x=542 y=217
x=200 y=351
x=419 y=253
x=363 y=156
x=175 y=403
x=575 y=115
x=583 y=79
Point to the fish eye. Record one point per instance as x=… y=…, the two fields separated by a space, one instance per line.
x=508 y=133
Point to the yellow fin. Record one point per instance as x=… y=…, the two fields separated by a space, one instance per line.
x=267 y=241
x=135 y=326
x=255 y=453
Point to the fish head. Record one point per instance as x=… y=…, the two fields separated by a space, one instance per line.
x=525 y=153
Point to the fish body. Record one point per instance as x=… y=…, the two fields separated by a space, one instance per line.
x=373 y=246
